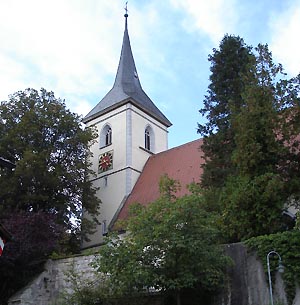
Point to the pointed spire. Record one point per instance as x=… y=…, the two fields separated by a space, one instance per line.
x=127 y=87
x=127 y=77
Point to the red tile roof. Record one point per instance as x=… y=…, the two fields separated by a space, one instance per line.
x=182 y=163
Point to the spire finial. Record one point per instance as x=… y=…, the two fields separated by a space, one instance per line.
x=126 y=10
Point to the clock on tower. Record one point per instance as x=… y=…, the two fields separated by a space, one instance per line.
x=105 y=162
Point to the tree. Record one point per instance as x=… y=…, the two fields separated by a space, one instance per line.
x=35 y=237
x=171 y=245
x=50 y=147
x=251 y=139
x=253 y=199
x=228 y=64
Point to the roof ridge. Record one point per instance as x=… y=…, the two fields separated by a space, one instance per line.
x=177 y=147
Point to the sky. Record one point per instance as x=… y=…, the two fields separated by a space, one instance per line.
x=72 y=47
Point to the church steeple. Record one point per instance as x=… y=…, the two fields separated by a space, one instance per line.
x=130 y=129
x=127 y=78
x=126 y=88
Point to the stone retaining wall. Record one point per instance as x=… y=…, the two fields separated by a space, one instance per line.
x=47 y=288
x=248 y=283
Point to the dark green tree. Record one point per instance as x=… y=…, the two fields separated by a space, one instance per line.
x=228 y=64
x=251 y=139
x=289 y=133
x=256 y=125
x=254 y=198
x=171 y=245
x=50 y=148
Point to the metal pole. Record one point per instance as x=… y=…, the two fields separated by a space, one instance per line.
x=269 y=274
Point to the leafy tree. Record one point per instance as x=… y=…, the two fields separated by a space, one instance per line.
x=41 y=199
x=50 y=147
x=35 y=237
x=171 y=245
x=228 y=64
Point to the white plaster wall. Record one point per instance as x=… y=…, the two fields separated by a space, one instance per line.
x=128 y=125
x=111 y=183
x=140 y=121
x=111 y=197
x=117 y=120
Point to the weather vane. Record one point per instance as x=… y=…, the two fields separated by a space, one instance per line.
x=126 y=9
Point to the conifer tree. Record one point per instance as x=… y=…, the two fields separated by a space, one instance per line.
x=251 y=141
x=253 y=199
x=224 y=92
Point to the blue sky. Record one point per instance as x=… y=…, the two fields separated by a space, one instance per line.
x=72 y=47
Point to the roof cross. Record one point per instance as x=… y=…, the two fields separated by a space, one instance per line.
x=126 y=9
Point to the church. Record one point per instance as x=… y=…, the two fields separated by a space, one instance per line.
x=131 y=152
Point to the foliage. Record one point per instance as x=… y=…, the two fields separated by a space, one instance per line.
x=50 y=148
x=251 y=206
x=258 y=123
x=297 y=224
x=171 y=245
x=227 y=65
x=251 y=140
x=84 y=292
x=35 y=236
x=257 y=191
x=288 y=246
x=48 y=186
x=289 y=91
x=262 y=183
x=96 y=292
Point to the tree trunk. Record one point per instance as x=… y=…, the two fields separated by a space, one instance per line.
x=178 y=299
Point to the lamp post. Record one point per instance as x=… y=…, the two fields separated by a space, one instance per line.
x=280 y=269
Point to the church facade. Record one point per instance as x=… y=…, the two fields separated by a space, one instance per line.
x=132 y=130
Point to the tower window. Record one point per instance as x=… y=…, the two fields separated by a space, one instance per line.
x=106 y=136
x=147 y=140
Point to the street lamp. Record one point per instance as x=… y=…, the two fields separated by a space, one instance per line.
x=280 y=269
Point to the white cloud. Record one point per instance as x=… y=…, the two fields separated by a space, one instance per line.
x=215 y=17
x=71 y=47
x=285 y=43
x=64 y=46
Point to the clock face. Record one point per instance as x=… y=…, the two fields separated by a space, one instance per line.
x=105 y=161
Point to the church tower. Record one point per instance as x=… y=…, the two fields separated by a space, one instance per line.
x=130 y=129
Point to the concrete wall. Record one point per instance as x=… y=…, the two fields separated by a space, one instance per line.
x=46 y=289
x=247 y=286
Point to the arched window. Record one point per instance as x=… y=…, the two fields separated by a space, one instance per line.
x=149 y=139
x=106 y=136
